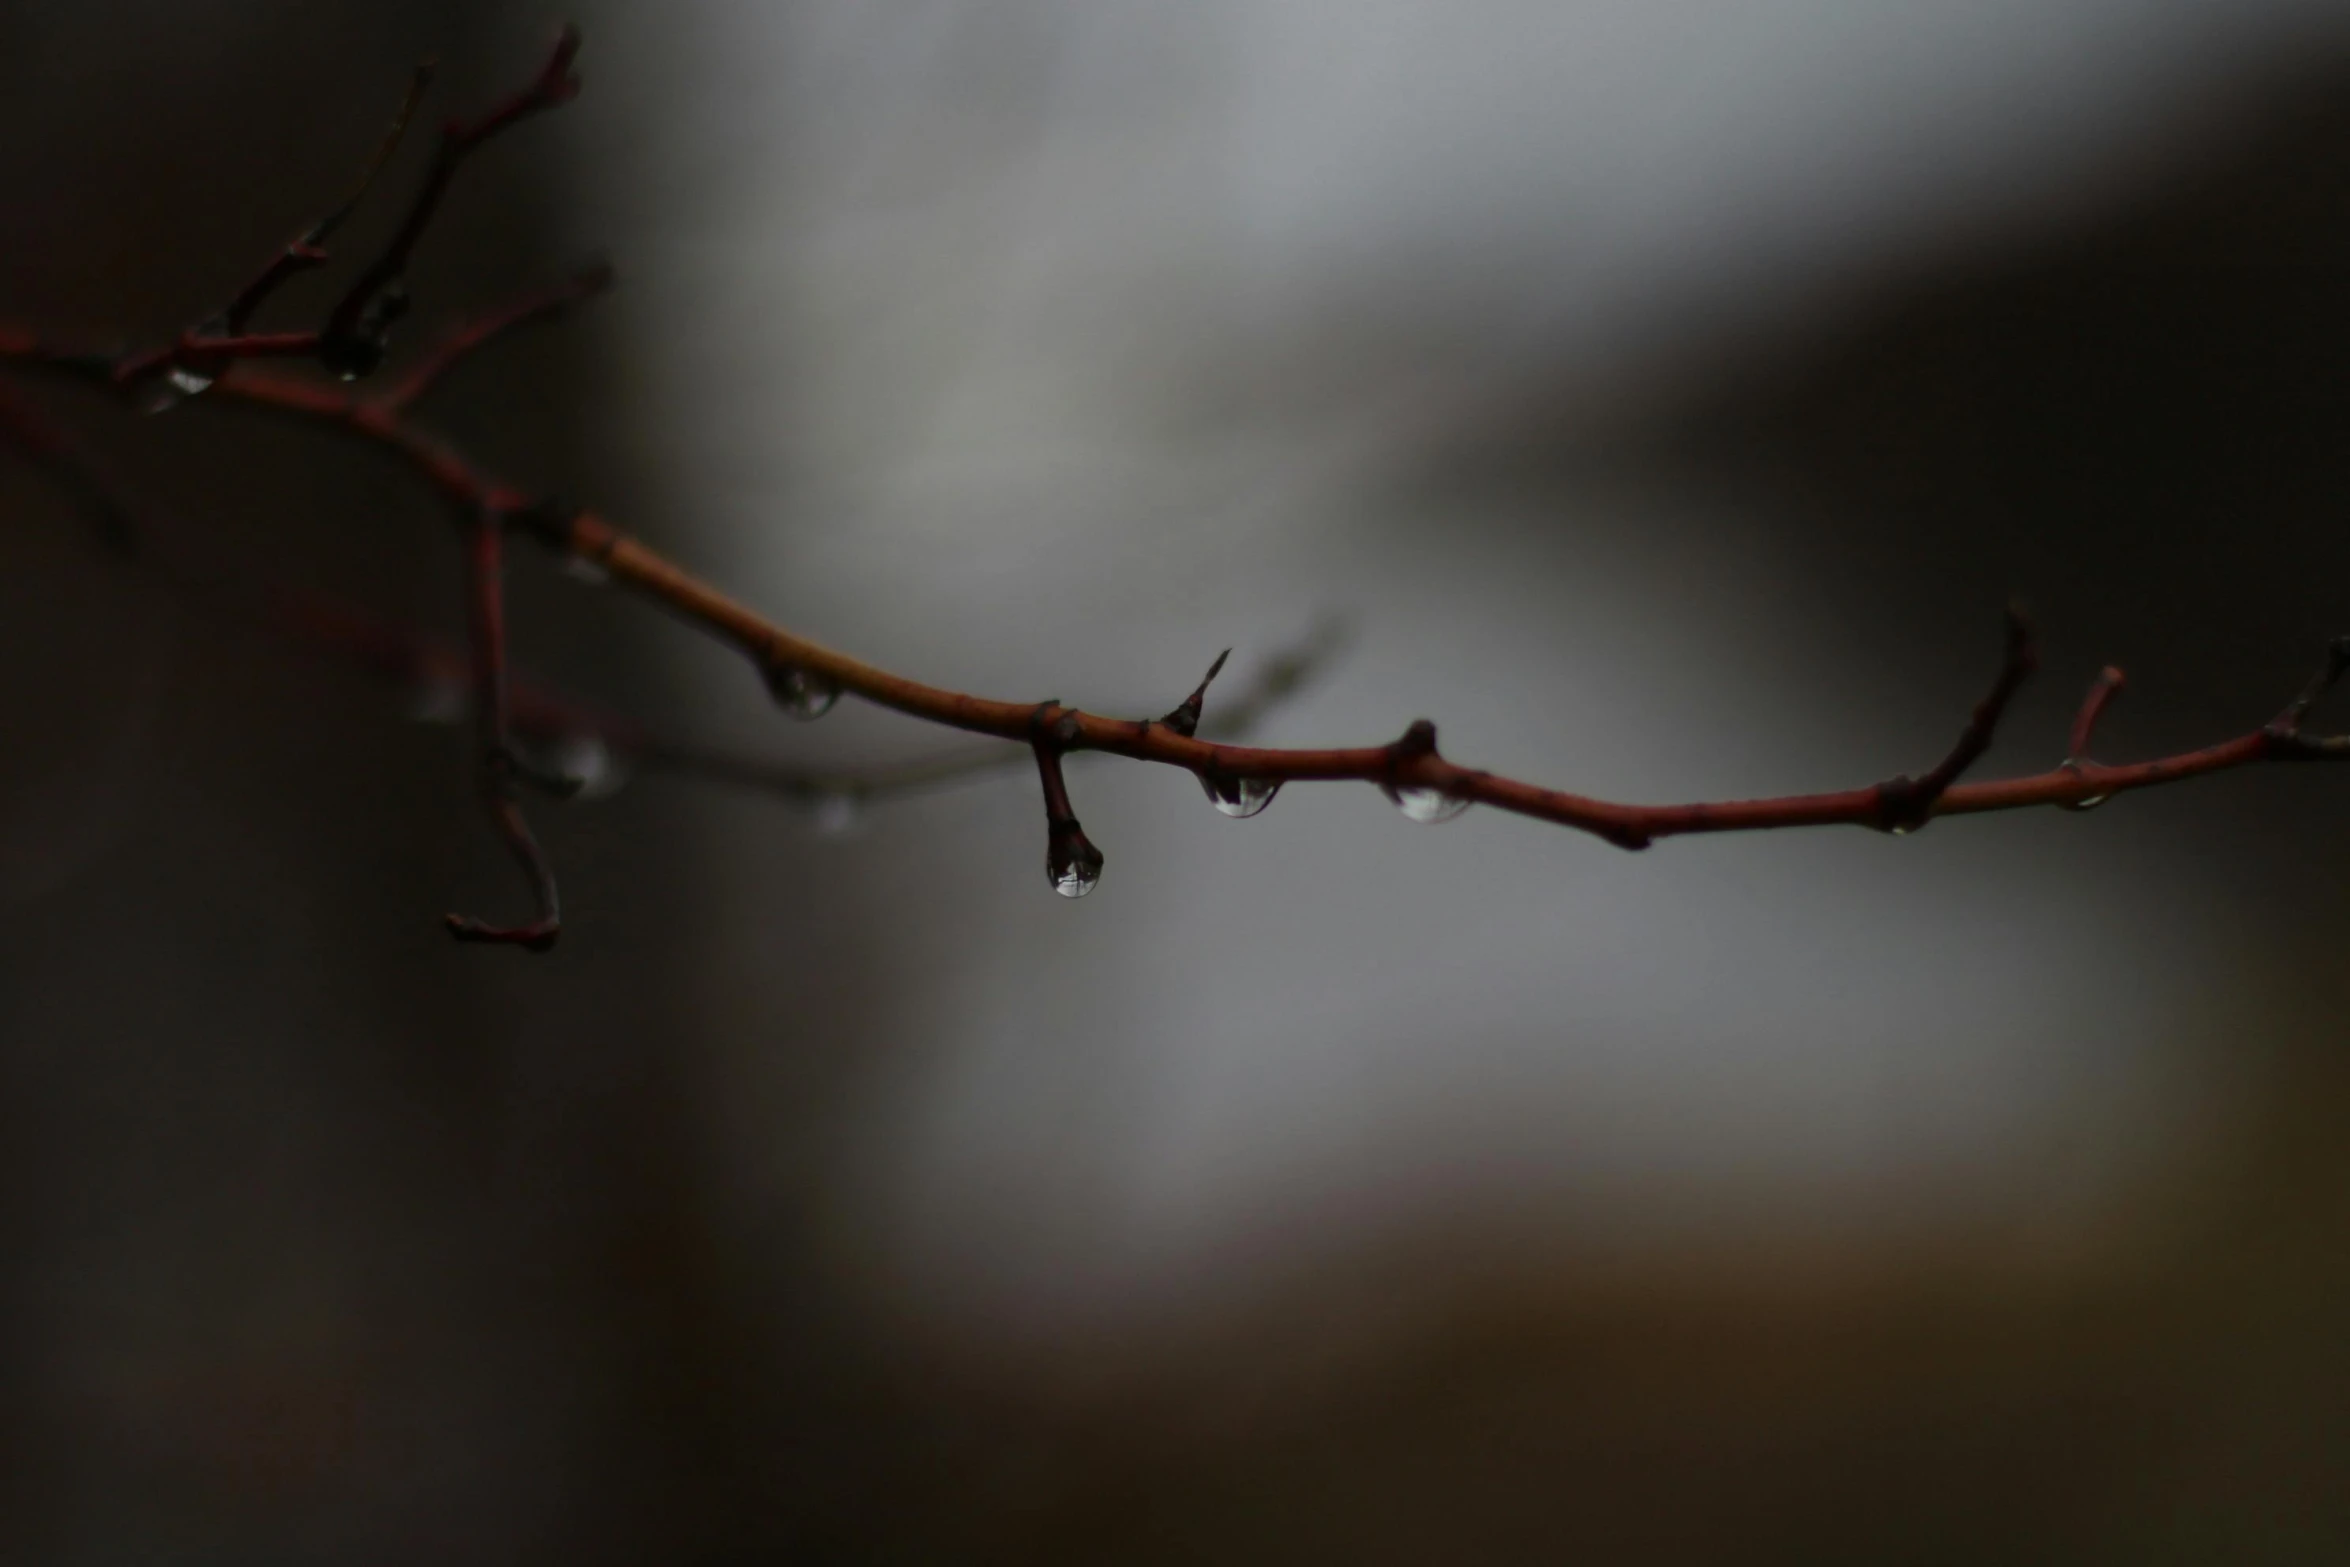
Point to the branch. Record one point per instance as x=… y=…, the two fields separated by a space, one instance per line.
x=352 y=341
x=473 y=336
x=1905 y=804
x=549 y=718
x=309 y=249
x=807 y=677
x=1412 y=769
x=501 y=768
x=2284 y=734
x=1071 y=863
x=355 y=331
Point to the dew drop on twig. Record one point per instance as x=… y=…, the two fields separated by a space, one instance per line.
x=583 y=568
x=803 y=693
x=1238 y=798
x=1073 y=864
x=1425 y=805
x=187 y=382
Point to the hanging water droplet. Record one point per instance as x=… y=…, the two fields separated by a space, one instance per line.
x=1902 y=829
x=189 y=382
x=587 y=569
x=587 y=759
x=802 y=692
x=1425 y=805
x=1072 y=863
x=838 y=813
x=438 y=697
x=1238 y=797
x=2090 y=803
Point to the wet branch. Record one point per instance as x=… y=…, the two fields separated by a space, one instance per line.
x=806 y=677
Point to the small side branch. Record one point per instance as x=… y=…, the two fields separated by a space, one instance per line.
x=472 y=337
x=2102 y=691
x=1071 y=863
x=1904 y=804
x=309 y=249
x=501 y=769
x=354 y=337
x=2284 y=734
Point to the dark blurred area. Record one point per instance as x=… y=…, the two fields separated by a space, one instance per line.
x=330 y=1242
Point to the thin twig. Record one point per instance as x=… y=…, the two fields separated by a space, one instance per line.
x=2102 y=691
x=2284 y=735
x=1071 y=863
x=1904 y=804
x=309 y=249
x=355 y=328
x=500 y=767
x=482 y=331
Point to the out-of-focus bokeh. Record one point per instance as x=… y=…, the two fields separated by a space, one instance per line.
x=1664 y=399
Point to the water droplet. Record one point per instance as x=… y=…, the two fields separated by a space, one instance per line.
x=1425 y=805
x=2090 y=803
x=1073 y=864
x=803 y=692
x=838 y=813
x=439 y=698
x=1903 y=829
x=1238 y=797
x=583 y=568
x=189 y=382
x=588 y=759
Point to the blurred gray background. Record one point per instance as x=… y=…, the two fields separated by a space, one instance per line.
x=1667 y=398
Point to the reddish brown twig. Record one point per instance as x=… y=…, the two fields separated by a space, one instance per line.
x=485 y=330
x=203 y=354
x=195 y=359
x=1905 y=804
x=501 y=768
x=1411 y=770
x=1071 y=863
x=2102 y=691
x=353 y=340
x=309 y=248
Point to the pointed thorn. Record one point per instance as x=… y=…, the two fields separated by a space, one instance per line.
x=1184 y=717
